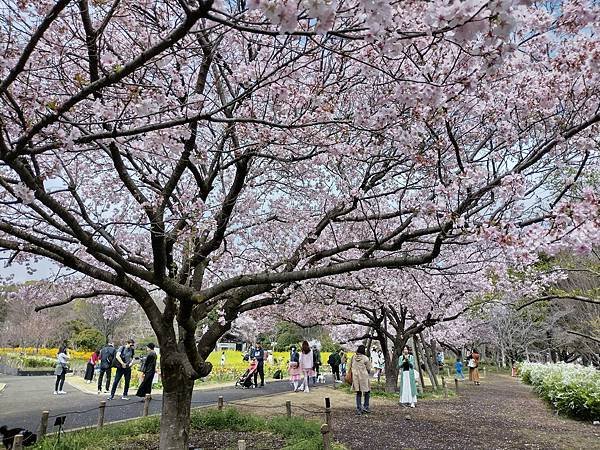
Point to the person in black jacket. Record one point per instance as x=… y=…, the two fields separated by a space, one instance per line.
x=107 y=356
x=148 y=369
x=259 y=355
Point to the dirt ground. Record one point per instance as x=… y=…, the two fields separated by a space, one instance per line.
x=501 y=413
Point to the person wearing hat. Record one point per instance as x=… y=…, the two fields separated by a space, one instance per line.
x=148 y=368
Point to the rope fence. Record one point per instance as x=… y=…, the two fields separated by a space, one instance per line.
x=326 y=429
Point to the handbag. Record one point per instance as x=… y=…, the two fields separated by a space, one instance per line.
x=348 y=377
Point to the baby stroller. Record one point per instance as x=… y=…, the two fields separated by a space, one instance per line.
x=245 y=381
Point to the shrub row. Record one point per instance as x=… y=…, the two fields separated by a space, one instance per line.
x=570 y=388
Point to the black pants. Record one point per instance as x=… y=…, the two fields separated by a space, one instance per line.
x=121 y=372
x=108 y=376
x=260 y=370
x=60 y=380
x=336 y=371
x=146 y=385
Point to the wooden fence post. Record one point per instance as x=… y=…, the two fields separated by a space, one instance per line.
x=456 y=385
x=445 y=386
x=241 y=444
x=288 y=409
x=101 y=411
x=18 y=442
x=220 y=402
x=44 y=423
x=147 y=404
x=328 y=414
x=326 y=437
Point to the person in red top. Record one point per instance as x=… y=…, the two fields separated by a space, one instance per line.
x=91 y=364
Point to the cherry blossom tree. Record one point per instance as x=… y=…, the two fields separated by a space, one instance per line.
x=202 y=158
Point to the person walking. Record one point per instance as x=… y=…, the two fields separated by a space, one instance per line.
x=306 y=365
x=408 y=384
x=377 y=363
x=343 y=362
x=458 y=370
x=148 y=369
x=334 y=362
x=294 y=370
x=360 y=368
x=62 y=365
x=259 y=355
x=107 y=356
x=317 y=363
x=474 y=367
x=124 y=357
x=91 y=365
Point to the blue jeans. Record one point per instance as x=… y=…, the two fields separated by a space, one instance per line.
x=121 y=373
x=365 y=404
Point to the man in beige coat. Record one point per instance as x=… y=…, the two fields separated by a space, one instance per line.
x=361 y=379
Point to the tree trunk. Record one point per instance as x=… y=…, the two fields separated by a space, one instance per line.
x=427 y=360
x=391 y=368
x=176 y=404
x=418 y=361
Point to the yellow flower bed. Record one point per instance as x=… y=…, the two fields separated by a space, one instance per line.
x=47 y=352
x=233 y=368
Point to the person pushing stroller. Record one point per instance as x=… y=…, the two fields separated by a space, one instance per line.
x=246 y=380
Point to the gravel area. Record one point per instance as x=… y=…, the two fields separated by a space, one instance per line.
x=501 y=413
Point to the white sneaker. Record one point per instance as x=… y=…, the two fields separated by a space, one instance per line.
x=124 y=398
x=306 y=390
x=55 y=392
x=412 y=405
x=61 y=392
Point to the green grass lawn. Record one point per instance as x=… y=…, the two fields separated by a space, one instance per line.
x=299 y=434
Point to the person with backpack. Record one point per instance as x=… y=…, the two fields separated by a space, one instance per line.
x=148 y=368
x=123 y=361
x=107 y=356
x=335 y=361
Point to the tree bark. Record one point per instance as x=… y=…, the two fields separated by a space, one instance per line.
x=418 y=361
x=176 y=405
x=391 y=368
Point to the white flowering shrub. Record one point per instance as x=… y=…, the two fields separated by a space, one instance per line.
x=570 y=388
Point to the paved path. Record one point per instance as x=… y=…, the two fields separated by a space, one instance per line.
x=24 y=399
